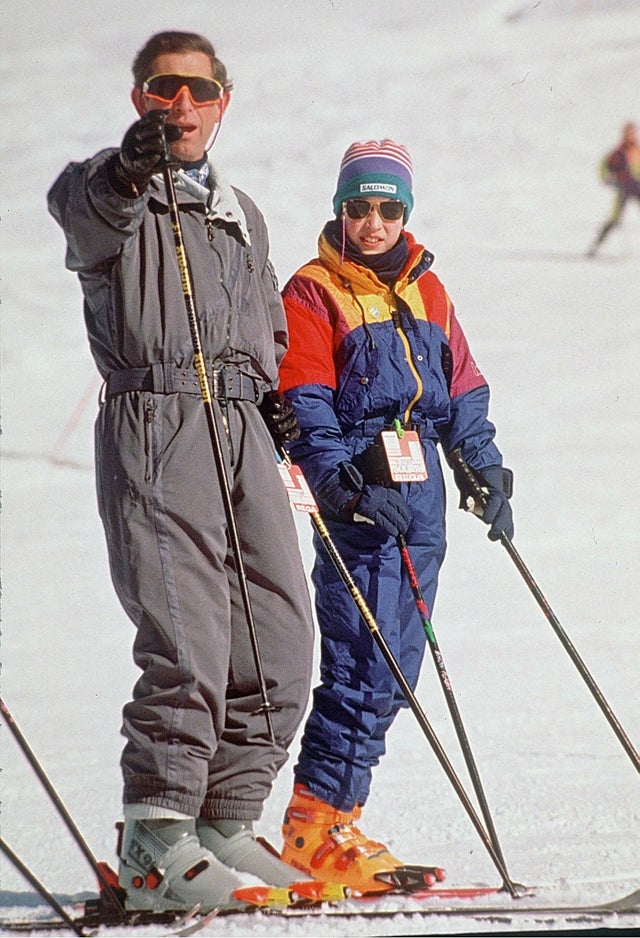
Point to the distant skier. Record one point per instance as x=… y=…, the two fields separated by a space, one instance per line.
x=621 y=169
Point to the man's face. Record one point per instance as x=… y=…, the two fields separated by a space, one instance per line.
x=197 y=120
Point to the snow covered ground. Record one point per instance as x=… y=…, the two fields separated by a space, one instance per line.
x=506 y=108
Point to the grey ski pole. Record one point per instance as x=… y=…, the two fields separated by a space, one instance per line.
x=456 y=461
x=60 y=807
x=214 y=433
x=37 y=885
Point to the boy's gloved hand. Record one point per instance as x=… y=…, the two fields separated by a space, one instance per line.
x=385 y=507
x=346 y=495
x=498 y=484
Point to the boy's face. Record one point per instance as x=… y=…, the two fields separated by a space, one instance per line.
x=373 y=234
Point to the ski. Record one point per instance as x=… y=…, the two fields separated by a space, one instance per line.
x=107 y=909
x=460 y=903
x=450 y=901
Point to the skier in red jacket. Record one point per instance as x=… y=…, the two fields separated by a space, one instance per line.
x=621 y=169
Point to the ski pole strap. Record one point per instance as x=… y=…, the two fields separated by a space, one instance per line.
x=168 y=378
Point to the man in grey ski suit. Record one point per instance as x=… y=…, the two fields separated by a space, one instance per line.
x=199 y=760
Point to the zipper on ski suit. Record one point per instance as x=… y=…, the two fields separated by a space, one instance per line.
x=395 y=316
x=149 y=417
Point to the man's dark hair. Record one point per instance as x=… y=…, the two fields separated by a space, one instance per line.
x=176 y=42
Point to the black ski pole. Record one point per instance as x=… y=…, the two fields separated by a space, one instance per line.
x=59 y=805
x=457 y=461
x=438 y=659
x=267 y=708
x=410 y=697
x=37 y=885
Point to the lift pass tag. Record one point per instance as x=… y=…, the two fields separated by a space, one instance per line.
x=405 y=456
x=300 y=495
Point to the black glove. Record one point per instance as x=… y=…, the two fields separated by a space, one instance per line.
x=141 y=154
x=497 y=483
x=485 y=492
x=348 y=497
x=280 y=417
x=385 y=507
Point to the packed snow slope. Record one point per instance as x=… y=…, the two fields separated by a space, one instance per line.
x=507 y=108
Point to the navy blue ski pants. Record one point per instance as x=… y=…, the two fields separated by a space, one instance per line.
x=358 y=697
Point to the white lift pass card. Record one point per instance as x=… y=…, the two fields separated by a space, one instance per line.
x=405 y=456
x=300 y=495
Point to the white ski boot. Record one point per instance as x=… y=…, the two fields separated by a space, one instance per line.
x=164 y=866
x=234 y=843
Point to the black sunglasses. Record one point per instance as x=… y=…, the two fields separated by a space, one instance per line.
x=166 y=88
x=360 y=208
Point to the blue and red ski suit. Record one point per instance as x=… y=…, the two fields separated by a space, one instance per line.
x=361 y=355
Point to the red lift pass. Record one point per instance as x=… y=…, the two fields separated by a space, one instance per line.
x=405 y=456
x=300 y=495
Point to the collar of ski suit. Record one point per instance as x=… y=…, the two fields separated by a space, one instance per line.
x=220 y=200
x=362 y=279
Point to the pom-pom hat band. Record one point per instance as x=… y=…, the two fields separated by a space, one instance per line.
x=375 y=168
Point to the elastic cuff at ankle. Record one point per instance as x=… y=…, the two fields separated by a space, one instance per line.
x=152 y=812
x=230 y=810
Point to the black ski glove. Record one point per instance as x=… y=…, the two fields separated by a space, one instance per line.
x=280 y=417
x=385 y=507
x=492 y=505
x=348 y=497
x=497 y=512
x=140 y=156
x=485 y=492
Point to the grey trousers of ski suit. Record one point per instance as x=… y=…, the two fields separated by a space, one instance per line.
x=195 y=742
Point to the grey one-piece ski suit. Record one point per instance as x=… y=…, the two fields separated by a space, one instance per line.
x=195 y=743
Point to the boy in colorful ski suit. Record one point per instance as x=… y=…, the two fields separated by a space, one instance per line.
x=620 y=169
x=374 y=344
x=200 y=759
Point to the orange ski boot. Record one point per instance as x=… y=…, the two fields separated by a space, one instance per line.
x=325 y=843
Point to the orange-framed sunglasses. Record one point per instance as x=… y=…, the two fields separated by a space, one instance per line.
x=166 y=88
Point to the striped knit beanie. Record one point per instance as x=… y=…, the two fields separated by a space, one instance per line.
x=380 y=168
